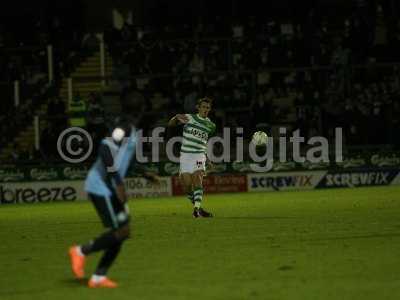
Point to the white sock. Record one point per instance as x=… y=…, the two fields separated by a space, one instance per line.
x=97 y=278
x=79 y=250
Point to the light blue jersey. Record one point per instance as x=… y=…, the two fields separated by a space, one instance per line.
x=98 y=181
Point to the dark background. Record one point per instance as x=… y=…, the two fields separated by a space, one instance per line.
x=340 y=65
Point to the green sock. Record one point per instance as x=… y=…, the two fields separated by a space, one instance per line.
x=190 y=196
x=198 y=196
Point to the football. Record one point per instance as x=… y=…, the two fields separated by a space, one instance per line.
x=259 y=138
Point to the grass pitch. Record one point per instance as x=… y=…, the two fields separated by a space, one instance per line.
x=331 y=244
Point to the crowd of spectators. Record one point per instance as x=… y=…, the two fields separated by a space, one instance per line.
x=317 y=39
x=24 y=58
x=322 y=62
x=57 y=120
x=314 y=72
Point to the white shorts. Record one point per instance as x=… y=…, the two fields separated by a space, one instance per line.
x=192 y=162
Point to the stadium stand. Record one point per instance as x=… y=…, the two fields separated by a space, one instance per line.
x=301 y=74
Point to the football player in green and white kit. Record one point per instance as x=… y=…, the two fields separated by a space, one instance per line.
x=197 y=128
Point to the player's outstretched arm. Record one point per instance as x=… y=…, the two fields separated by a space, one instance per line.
x=178 y=119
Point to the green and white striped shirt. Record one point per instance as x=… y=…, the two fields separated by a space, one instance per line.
x=196 y=133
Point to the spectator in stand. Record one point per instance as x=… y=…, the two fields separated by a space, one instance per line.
x=182 y=64
x=90 y=41
x=190 y=102
x=158 y=102
x=33 y=154
x=48 y=141
x=396 y=124
x=261 y=111
x=196 y=64
x=301 y=113
x=15 y=153
x=77 y=111
x=56 y=111
x=95 y=118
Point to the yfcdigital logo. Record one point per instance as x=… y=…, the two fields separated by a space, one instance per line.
x=75 y=145
x=29 y=195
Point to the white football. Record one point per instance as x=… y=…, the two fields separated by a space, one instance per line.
x=118 y=134
x=259 y=138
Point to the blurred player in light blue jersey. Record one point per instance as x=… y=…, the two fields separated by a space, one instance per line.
x=105 y=187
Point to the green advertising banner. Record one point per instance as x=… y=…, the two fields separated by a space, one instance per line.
x=78 y=172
